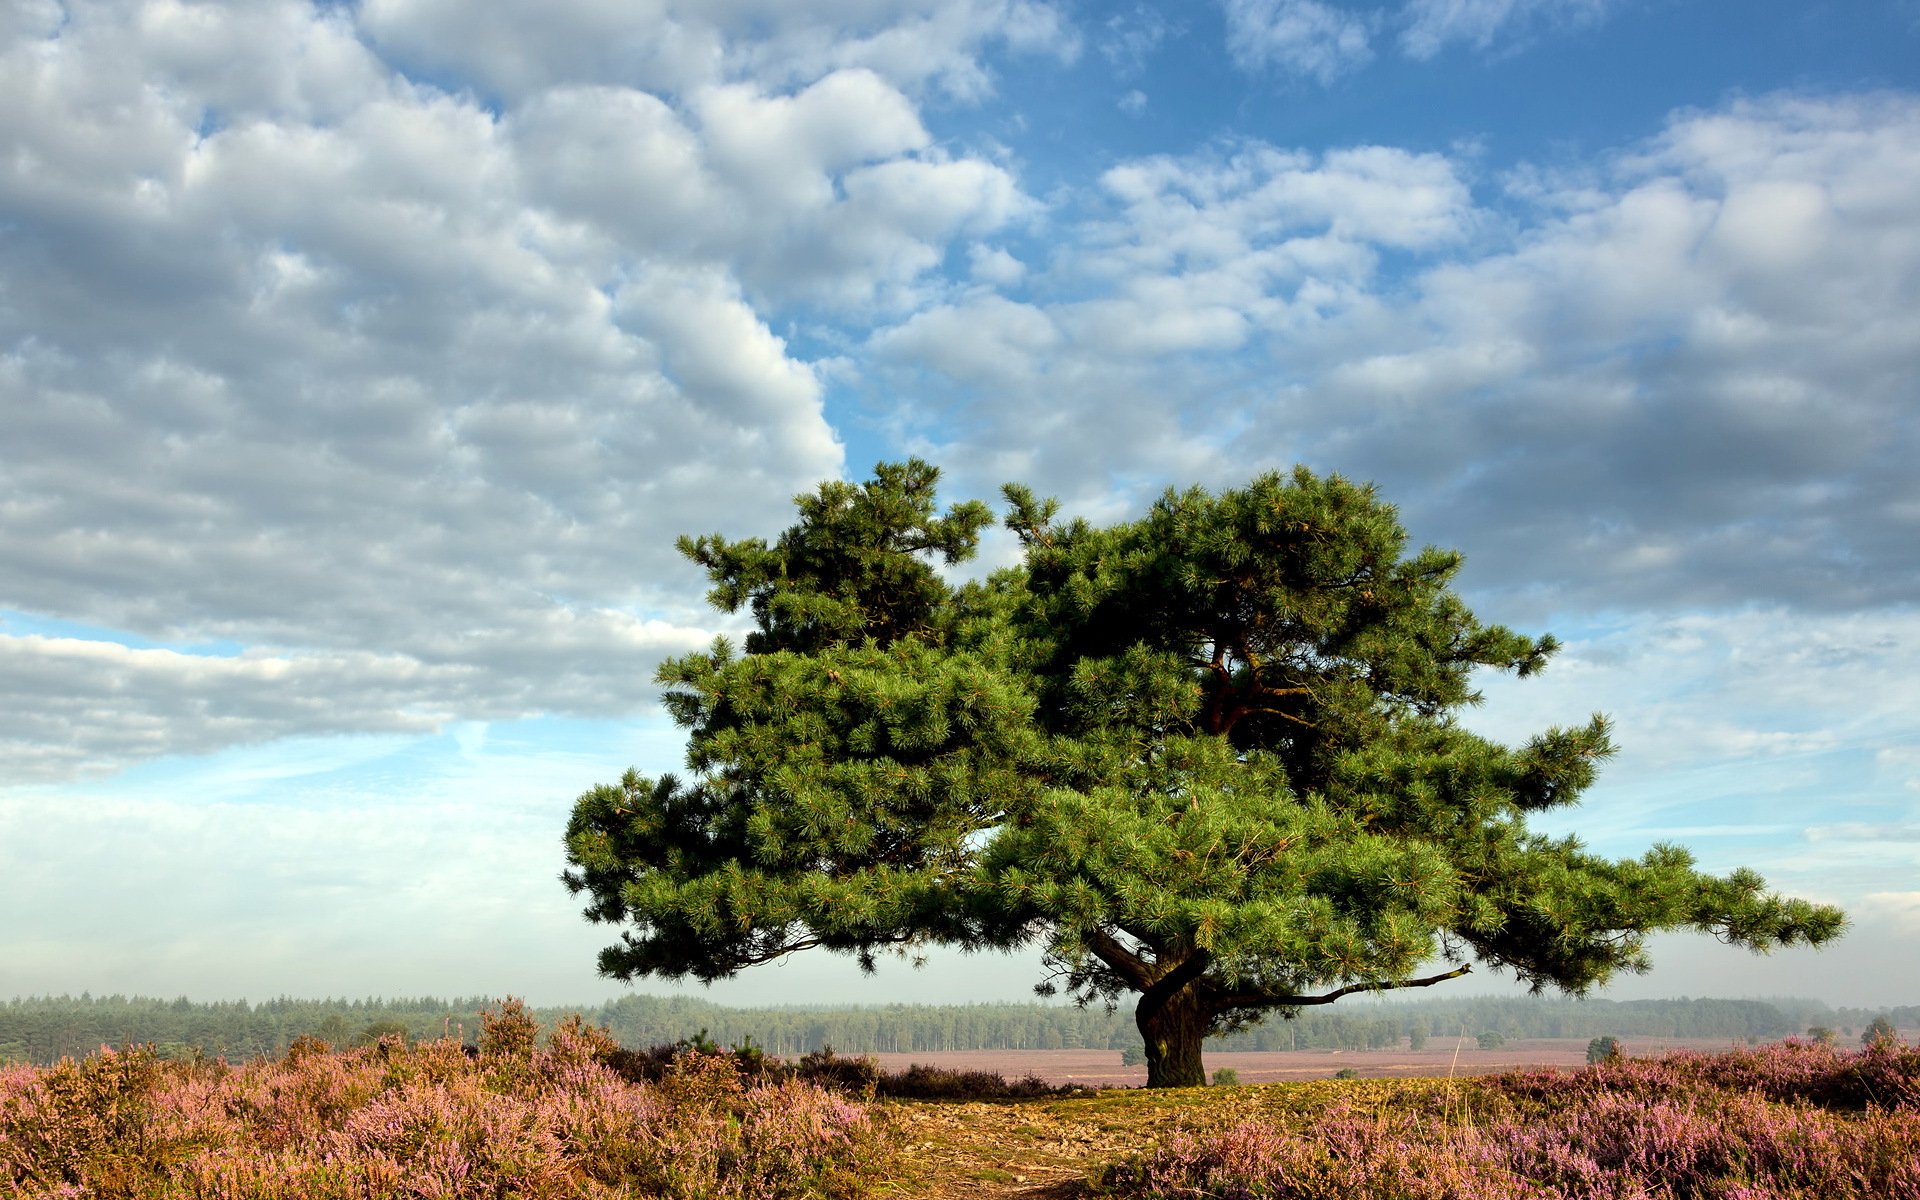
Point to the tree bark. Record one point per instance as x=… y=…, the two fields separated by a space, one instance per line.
x=1173 y=1024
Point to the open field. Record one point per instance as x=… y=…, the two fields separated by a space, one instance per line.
x=1441 y=1057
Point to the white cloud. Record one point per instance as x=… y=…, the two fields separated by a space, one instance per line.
x=676 y=46
x=79 y=707
x=832 y=194
x=722 y=356
x=787 y=147
x=1212 y=209
x=1677 y=377
x=1140 y=314
x=1899 y=909
x=1128 y=40
x=1710 y=690
x=1901 y=763
x=404 y=394
x=1323 y=40
x=1430 y=26
x=1298 y=37
x=1683 y=411
x=623 y=161
x=993 y=265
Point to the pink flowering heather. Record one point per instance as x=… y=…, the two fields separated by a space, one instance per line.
x=426 y=1122
x=1790 y=1122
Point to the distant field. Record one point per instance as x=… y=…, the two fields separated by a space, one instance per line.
x=1101 y=1068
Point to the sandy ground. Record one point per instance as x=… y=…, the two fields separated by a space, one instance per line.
x=1441 y=1056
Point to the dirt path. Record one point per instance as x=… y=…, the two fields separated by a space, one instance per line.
x=1028 y=1148
x=1044 y=1149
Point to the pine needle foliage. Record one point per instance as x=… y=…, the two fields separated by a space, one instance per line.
x=1210 y=758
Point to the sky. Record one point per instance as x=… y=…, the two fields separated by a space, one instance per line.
x=360 y=362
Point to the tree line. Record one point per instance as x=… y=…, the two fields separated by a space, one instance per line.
x=44 y=1029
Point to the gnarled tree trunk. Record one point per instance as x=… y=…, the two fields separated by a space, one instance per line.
x=1174 y=1025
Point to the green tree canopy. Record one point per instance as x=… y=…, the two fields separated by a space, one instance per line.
x=1209 y=758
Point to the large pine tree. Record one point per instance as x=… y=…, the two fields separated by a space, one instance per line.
x=1209 y=758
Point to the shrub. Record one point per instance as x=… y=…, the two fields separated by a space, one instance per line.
x=508 y=1031
x=388 y=1121
x=851 y=1076
x=380 y=1031
x=1747 y=1125
x=1603 y=1049
x=1226 y=1077
x=921 y=1082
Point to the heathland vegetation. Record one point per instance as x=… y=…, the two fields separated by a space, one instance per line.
x=432 y=1119
x=1790 y=1120
x=44 y=1029
x=575 y=1116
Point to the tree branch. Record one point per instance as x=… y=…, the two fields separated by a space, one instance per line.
x=1270 y=1000
x=1108 y=950
x=1178 y=976
x=757 y=957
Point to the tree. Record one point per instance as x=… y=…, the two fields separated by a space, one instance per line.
x=1879 y=1031
x=1210 y=759
x=1603 y=1049
x=377 y=1030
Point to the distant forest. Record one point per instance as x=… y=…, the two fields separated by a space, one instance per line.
x=44 y=1029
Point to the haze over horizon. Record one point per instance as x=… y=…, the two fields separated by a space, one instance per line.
x=360 y=362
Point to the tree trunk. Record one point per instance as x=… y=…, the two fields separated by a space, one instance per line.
x=1174 y=1026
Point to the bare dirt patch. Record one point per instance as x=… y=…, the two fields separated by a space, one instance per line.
x=1046 y=1148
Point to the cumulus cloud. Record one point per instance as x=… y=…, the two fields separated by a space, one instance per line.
x=829 y=194
x=406 y=390
x=1686 y=382
x=1678 y=377
x=1139 y=334
x=1299 y=37
x=515 y=51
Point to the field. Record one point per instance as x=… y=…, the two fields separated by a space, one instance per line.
x=577 y=1118
x=1441 y=1057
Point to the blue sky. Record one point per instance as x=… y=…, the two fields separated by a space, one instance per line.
x=360 y=362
